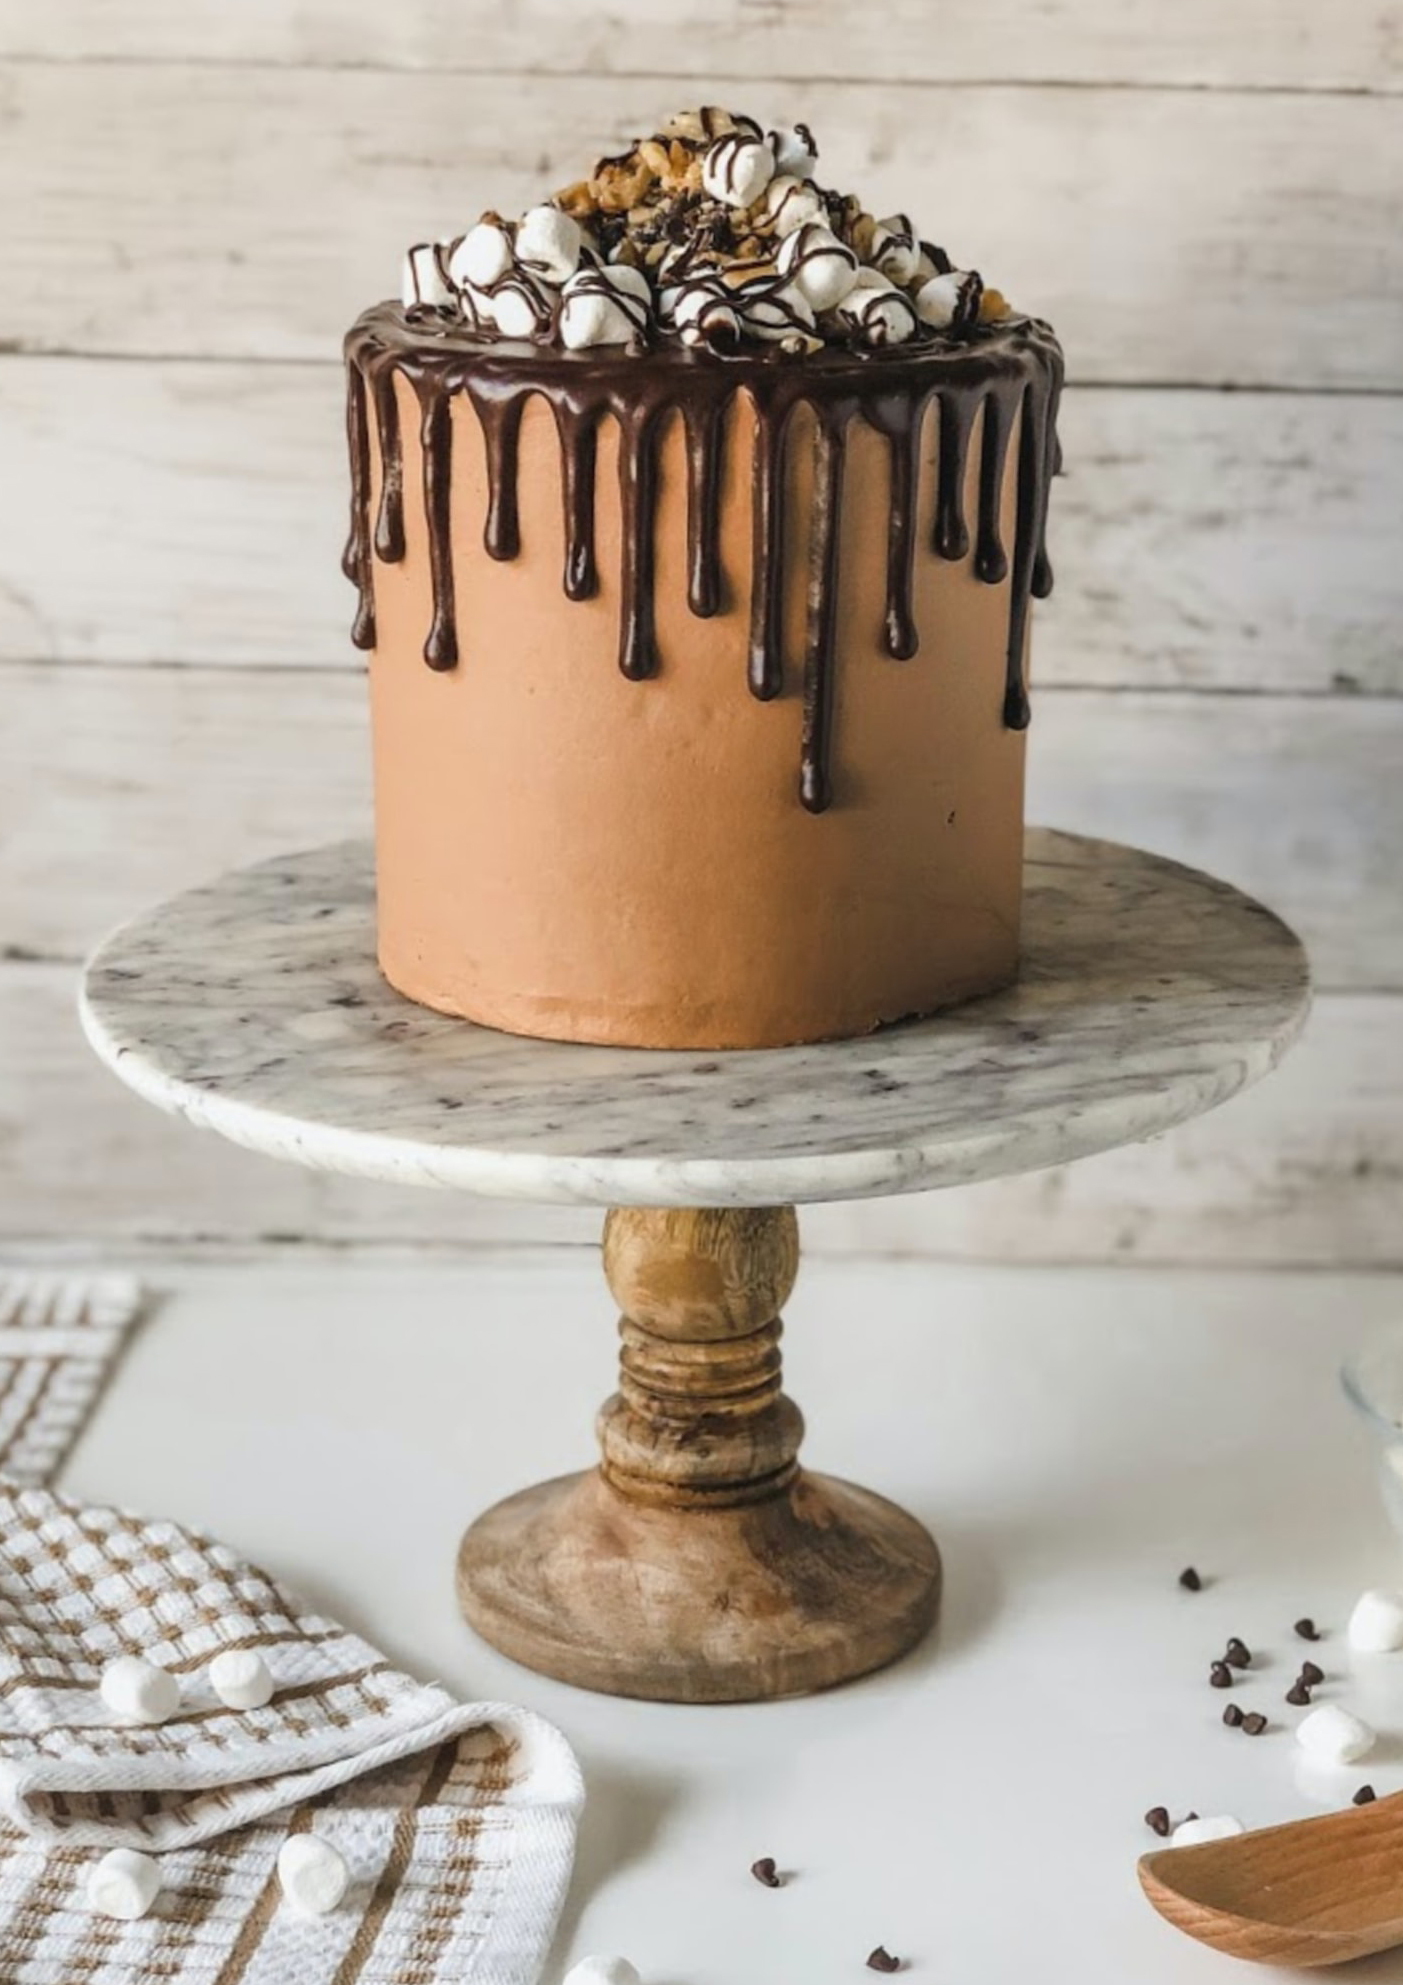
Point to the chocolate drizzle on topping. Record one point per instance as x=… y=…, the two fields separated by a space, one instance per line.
x=986 y=376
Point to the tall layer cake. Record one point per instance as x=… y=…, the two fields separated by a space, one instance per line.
x=695 y=519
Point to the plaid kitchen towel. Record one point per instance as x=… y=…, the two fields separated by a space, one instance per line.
x=457 y=1822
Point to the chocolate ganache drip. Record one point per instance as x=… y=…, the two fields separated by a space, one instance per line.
x=1001 y=370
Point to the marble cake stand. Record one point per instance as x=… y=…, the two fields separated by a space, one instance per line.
x=698 y=1562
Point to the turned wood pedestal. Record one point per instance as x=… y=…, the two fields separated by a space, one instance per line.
x=699 y=1562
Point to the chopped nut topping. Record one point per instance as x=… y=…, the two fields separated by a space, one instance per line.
x=701 y=216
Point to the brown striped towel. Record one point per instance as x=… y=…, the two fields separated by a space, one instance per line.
x=457 y=1822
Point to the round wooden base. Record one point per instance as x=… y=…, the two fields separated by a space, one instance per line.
x=816 y=1585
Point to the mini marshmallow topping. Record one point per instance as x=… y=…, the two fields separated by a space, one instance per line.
x=822 y=268
x=139 y=1691
x=123 y=1884
x=240 y=1678
x=425 y=285
x=603 y=1971
x=738 y=168
x=795 y=152
x=549 y=243
x=1333 y=1735
x=313 y=1874
x=482 y=256
x=710 y=199
x=1376 y=1624
x=1193 y=1833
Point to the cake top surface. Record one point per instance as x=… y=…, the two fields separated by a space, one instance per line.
x=713 y=234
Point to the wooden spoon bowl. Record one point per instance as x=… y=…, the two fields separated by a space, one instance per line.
x=1317 y=1891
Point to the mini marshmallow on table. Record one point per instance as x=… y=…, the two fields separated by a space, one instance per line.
x=1334 y=1736
x=1376 y=1624
x=603 y=1971
x=1193 y=1833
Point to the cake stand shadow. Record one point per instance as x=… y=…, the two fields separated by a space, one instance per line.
x=699 y=1562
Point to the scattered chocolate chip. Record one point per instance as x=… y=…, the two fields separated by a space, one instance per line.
x=1254 y=1724
x=1298 y=1695
x=882 y=1960
x=1190 y=1579
x=1220 y=1676
x=1188 y=1816
x=767 y=1873
x=1239 y=1655
x=1307 y=1629
x=1157 y=1820
x=1232 y=1716
x=1365 y=1796
x=1311 y=1675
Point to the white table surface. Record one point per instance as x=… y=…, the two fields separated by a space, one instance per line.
x=1073 y=1438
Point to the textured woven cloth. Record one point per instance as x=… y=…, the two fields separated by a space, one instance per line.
x=457 y=1822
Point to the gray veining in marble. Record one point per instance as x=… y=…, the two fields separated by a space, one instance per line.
x=254 y=1008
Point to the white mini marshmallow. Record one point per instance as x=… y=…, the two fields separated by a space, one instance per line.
x=1334 y=1736
x=139 y=1691
x=895 y=248
x=1376 y=1624
x=938 y=301
x=819 y=266
x=481 y=257
x=1192 y=1833
x=240 y=1678
x=704 y=315
x=123 y=1884
x=549 y=243
x=425 y=280
x=884 y=314
x=603 y=1971
x=314 y=1876
x=775 y=317
x=518 y=307
x=791 y=203
x=794 y=150
x=603 y=307
x=737 y=168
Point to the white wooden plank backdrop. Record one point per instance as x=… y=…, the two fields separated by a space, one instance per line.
x=199 y=196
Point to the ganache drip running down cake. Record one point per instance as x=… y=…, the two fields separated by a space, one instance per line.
x=695 y=519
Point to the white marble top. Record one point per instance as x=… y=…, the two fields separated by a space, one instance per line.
x=254 y=1008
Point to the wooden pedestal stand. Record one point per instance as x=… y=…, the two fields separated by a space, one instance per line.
x=699 y=1562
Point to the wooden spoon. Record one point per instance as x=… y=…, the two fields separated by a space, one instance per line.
x=1318 y=1891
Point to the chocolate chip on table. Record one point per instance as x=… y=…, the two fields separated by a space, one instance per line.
x=1311 y=1675
x=767 y=1874
x=1255 y=1724
x=1157 y=1820
x=1365 y=1796
x=1239 y=1655
x=1232 y=1716
x=1190 y=1579
x=1307 y=1629
x=882 y=1960
x=1220 y=1676
x=1298 y=1695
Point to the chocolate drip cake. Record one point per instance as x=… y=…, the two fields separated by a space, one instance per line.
x=695 y=519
